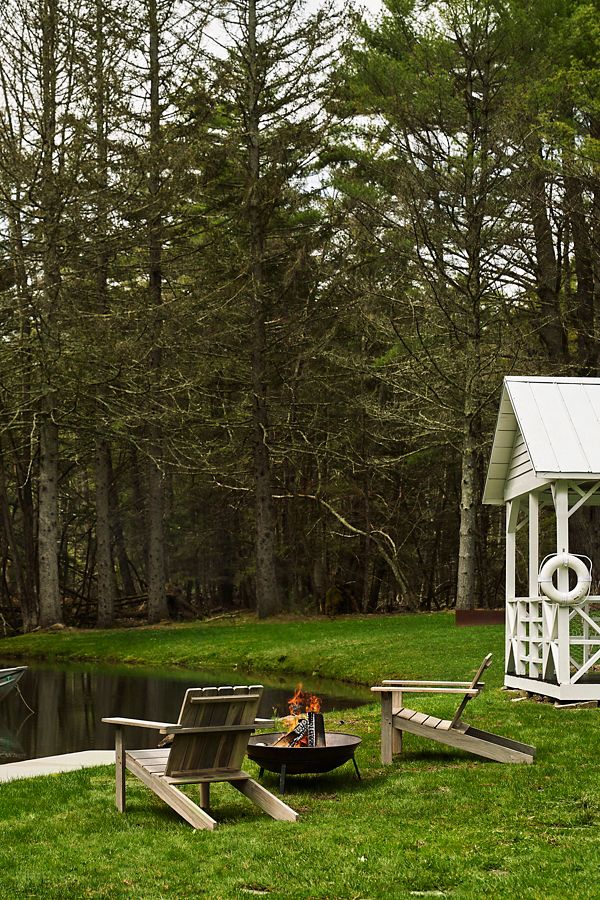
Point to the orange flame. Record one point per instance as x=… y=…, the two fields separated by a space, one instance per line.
x=313 y=704
x=303 y=702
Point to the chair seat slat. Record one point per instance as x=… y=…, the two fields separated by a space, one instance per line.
x=205 y=775
x=208 y=729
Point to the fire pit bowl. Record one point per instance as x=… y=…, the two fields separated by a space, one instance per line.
x=338 y=749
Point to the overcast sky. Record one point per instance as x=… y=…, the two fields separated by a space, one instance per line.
x=370 y=6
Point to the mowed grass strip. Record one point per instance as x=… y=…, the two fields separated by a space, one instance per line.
x=357 y=649
x=436 y=823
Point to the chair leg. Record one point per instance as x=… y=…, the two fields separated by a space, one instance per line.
x=205 y=796
x=175 y=798
x=387 y=730
x=391 y=738
x=120 y=769
x=267 y=801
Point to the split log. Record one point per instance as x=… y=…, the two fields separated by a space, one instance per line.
x=316 y=730
x=293 y=737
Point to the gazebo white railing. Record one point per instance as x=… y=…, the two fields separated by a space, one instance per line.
x=538 y=647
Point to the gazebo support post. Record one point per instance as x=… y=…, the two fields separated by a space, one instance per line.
x=535 y=606
x=512 y=514
x=561 y=502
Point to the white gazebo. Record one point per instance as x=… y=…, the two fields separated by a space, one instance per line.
x=546 y=457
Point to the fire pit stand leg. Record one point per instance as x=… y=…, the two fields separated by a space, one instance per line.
x=262 y=772
x=282 y=779
x=356 y=768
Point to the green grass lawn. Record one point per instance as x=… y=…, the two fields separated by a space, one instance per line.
x=357 y=649
x=436 y=823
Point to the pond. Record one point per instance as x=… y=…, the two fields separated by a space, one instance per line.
x=68 y=704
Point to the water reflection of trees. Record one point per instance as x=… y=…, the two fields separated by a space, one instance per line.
x=69 y=705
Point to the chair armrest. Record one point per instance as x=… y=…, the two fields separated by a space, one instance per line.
x=419 y=683
x=398 y=688
x=139 y=723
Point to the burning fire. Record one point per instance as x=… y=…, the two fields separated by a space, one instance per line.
x=300 y=724
x=303 y=702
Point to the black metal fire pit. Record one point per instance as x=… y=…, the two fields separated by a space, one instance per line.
x=338 y=749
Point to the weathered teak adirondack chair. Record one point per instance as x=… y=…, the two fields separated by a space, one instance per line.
x=396 y=718
x=208 y=746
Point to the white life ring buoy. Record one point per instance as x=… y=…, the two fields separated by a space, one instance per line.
x=569 y=561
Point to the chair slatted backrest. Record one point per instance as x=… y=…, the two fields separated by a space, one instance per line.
x=487 y=661
x=232 y=708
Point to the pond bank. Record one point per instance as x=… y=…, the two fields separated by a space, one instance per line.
x=356 y=649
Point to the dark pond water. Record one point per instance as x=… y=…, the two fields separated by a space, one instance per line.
x=68 y=704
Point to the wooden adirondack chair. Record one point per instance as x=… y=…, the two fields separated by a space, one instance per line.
x=208 y=746
x=396 y=719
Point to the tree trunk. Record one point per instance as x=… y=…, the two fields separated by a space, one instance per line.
x=268 y=599
x=551 y=327
x=104 y=563
x=129 y=588
x=157 y=598
x=466 y=584
x=48 y=535
x=49 y=592
x=157 y=601
x=267 y=588
x=587 y=363
x=26 y=597
x=21 y=448
x=28 y=523
x=477 y=192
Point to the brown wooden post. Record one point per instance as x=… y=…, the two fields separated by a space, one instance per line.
x=386 y=729
x=120 y=768
x=205 y=795
x=396 y=733
x=391 y=738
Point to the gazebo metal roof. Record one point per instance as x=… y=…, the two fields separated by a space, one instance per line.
x=548 y=429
